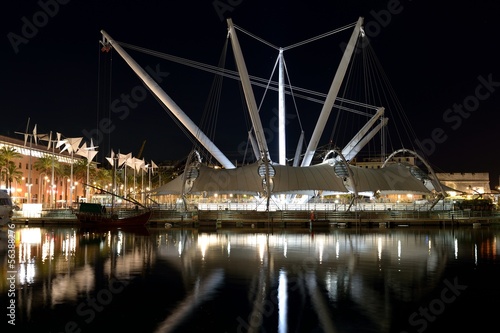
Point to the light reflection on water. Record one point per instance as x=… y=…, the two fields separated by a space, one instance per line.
x=341 y=280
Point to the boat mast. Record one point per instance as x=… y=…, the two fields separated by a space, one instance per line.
x=168 y=102
x=115 y=161
x=332 y=95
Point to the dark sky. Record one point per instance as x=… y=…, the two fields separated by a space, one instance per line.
x=441 y=60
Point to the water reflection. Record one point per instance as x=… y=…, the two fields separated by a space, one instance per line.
x=340 y=280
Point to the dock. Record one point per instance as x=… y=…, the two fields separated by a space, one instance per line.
x=320 y=220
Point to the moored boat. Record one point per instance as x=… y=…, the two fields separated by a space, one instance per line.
x=6 y=207
x=94 y=214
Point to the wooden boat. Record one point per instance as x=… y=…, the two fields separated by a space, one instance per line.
x=6 y=207
x=97 y=215
x=94 y=214
x=91 y=213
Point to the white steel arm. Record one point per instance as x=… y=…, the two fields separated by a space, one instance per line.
x=169 y=103
x=247 y=89
x=332 y=95
x=362 y=132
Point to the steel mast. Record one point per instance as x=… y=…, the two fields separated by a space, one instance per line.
x=332 y=95
x=361 y=138
x=169 y=103
x=248 y=92
x=281 y=110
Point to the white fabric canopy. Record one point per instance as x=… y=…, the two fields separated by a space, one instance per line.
x=320 y=177
x=242 y=180
x=393 y=178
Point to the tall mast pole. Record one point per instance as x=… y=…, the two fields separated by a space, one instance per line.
x=249 y=96
x=29 y=170
x=115 y=191
x=169 y=103
x=52 y=191
x=252 y=108
x=332 y=95
x=281 y=110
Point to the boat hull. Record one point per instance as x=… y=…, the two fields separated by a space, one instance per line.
x=96 y=220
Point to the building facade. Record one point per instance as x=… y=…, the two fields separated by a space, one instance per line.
x=467 y=183
x=45 y=187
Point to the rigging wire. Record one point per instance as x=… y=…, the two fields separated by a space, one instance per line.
x=104 y=90
x=406 y=124
x=268 y=84
x=260 y=82
x=256 y=37
x=109 y=93
x=211 y=111
x=293 y=95
x=340 y=119
x=326 y=34
x=98 y=107
x=370 y=88
x=372 y=92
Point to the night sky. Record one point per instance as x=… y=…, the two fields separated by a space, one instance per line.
x=441 y=61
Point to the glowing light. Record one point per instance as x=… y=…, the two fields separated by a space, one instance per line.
x=48 y=248
x=337 y=248
x=31 y=236
x=262 y=248
x=203 y=242
x=475 y=254
x=119 y=244
x=282 y=302
x=379 y=248
x=321 y=245
x=69 y=245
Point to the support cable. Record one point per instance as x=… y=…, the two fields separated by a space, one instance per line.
x=273 y=85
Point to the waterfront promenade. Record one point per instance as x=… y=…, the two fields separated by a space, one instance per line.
x=225 y=218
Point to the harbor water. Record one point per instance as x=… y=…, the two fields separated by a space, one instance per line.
x=172 y=279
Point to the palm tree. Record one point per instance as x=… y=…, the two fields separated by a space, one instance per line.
x=80 y=172
x=7 y=155
x=62 y=172
x=14 y=173
x=45 y=164
x=103 y=177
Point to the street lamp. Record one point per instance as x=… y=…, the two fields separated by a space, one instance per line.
x=70 y=144
x=65 y=189
x=76 y=193
x=31 y=136
x=52 y=143
x=43 y=192
x=40 y=198
x=89 y=153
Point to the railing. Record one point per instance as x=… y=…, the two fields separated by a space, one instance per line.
x=50 y=214
x=324 y=206
x=320 y=212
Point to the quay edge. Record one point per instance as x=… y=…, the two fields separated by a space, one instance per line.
x=284 y=219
